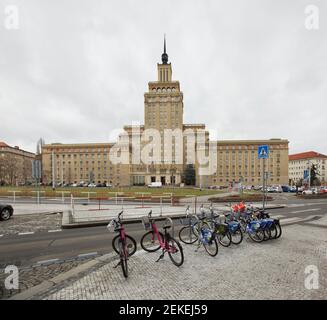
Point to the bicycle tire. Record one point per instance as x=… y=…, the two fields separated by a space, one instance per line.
x=185 y=235
x=279 y=229
x=255 y=236
x=132 y=240
x=228 y=239
x=213 y=245
x=267 y=234
x=233 y=234
x=123 y=257
x=273 y=231
x=171 y=243
x=151 y=240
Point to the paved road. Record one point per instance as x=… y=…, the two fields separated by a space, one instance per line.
x=69 y=243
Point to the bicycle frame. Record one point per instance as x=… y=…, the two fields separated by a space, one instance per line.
x=163 y=242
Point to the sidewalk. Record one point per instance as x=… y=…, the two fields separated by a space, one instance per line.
x=270 y=270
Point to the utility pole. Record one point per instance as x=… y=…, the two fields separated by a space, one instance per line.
x=53 y=170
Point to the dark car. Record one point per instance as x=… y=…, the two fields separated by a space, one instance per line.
x=6 y=211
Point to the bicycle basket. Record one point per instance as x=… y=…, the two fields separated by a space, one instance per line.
x=146 y=223
x=111 y=226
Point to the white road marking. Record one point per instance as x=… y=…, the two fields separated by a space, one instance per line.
x=1 y=235
x=294 y=219
x=278 y=216
x=47 y=261
x=87 y=254
x=24 y=233
x=56 y=230
x=306 y=210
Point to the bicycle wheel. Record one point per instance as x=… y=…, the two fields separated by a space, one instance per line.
x=211 y=246
x=225 y=239
x=130 y=243
x=123 y=253
x=257 y=236
x=175 y=251
x=187 y=235
x=150 y=242
x=273 y=231
x=279 y=229
x=267 y=234
x=237 y=236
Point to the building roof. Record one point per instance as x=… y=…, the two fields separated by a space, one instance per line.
x=306 y=155
x=2 y=144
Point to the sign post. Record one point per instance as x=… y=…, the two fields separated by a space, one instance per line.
x=263 y=153
x=36 y=174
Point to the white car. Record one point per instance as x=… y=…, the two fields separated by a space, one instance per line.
x=155 y=185
x=92 y=185
x=308 y=191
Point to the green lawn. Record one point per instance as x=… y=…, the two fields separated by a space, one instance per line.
x=111 y=192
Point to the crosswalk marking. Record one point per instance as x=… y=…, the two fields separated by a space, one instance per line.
x=24 y=233
x=306 y=210
x=288 y=220
x=278 y=216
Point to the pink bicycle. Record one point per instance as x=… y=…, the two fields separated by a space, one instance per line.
x=153 y=240
x=122 y=243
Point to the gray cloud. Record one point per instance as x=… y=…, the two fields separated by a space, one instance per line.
x=76 y=70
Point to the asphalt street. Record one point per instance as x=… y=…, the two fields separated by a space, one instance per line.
x=29 y=249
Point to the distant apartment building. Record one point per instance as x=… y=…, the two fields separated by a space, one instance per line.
x=300 y=162
x=84 y=162
x=233 y=161
x=15 y=165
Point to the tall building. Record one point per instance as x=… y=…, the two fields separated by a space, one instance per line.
x=15 y=165
x=159 y=150
x=300 y=162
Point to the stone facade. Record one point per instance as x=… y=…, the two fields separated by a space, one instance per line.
x=159 y=150
x=15 y=165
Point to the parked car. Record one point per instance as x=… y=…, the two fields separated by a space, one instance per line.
x=310 y=191
x=285 y=188
x=6 y=211
x=155 y=185
x=92 y=185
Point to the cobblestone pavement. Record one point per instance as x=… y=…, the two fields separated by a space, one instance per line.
x=32 y=276
x=268 y=270
x=31 y=223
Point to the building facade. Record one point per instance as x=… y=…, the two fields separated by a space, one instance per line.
x=81 y=163
x=15 y=165
x=300 y=162
x=159 y=150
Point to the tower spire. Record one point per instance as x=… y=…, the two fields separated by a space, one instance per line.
x=164 y=56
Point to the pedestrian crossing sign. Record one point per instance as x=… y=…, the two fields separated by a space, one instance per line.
x=263 y=152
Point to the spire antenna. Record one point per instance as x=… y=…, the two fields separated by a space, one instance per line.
x=164 y=56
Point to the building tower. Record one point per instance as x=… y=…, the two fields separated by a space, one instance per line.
x=163 y=109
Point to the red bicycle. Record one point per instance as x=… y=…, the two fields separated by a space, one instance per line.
x=153 y=240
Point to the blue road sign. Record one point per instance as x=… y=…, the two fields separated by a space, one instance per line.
x=263 y=152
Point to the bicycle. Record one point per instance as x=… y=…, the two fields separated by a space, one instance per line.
x=120 y=245
x=199 y=229
x=153 y=240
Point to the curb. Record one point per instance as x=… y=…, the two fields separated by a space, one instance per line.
x=105 y=222
x=47 y=284
x=132 y=221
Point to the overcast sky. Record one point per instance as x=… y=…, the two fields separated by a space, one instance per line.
x=75 y=71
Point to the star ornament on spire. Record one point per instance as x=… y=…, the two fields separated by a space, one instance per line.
x=164 y=56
